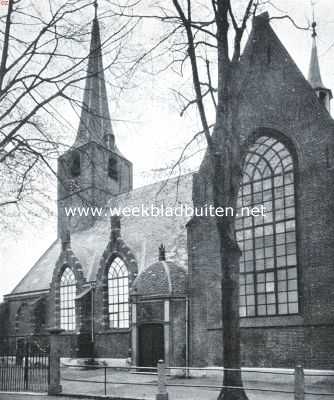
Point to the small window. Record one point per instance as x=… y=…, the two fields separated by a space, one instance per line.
x=269 y=55
x=322 y=97
x=112 y=168
x=109 y=141
x=75 y=164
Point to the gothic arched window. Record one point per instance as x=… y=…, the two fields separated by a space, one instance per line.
x=67 y=300
x=118 y=294
x=268 y=265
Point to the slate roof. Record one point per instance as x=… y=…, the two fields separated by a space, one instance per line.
x=142 y=234
x=163 y=278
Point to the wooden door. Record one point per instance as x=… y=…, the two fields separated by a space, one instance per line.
x=151 y=345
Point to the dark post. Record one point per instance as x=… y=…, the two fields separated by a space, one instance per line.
x=162 y=390
x=299 y=383
x=54 y=363
x=105 y=381
x=26 y=365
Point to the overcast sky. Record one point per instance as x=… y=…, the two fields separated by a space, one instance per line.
x=150 y=132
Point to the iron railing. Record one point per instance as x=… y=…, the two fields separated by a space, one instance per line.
x=161 y=373
x=24 y=364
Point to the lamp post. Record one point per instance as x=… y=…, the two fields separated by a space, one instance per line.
x=93 y=287
x=92 y=323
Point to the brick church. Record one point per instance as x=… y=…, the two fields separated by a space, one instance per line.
x=117 y=293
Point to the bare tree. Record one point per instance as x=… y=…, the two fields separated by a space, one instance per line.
x=203 y=42
x=43 y=60
x=225 y=163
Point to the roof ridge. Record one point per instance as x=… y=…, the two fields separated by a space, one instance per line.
x=168 y=180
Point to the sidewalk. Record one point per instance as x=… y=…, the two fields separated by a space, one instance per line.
x=191 y=394
x=144 y=386
x=139 y=386
x=24 y=396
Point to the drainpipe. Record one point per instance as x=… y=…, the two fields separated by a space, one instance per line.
x=187 y=336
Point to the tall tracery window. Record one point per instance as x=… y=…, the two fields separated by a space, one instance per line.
x=67 y=300
x=118 y=294
x=268 y=266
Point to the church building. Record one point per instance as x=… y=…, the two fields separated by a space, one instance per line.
x=149 y=288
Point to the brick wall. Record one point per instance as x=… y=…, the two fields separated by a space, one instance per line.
x=4 y=317
x=204 y=272
x=275 y=100
x=178 y=333
x=280 y=347
x=113 y=344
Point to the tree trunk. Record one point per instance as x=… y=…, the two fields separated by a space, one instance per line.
x=230 y=256
x=227 y=179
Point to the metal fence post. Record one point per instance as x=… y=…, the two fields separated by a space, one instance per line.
x=162 y=390
x=26 y=365
x=105 y=381
x=299 y=383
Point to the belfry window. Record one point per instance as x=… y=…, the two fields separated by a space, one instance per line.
x=113 y=168
x=67 y=300
x=268 y=265
x=75 y=168
x=118 y=294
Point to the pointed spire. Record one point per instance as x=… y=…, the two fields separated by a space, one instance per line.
x=314 y=75
x=95 y=6
x=95 y=124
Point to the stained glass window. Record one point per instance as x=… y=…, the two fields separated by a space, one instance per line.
x=118 y=294
x=67 y=300
x=268 y=266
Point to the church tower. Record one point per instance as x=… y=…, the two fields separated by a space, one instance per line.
x=93 y=170
x=314 y=76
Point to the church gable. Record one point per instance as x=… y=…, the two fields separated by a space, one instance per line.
x=277 y=106
x=274 y=92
